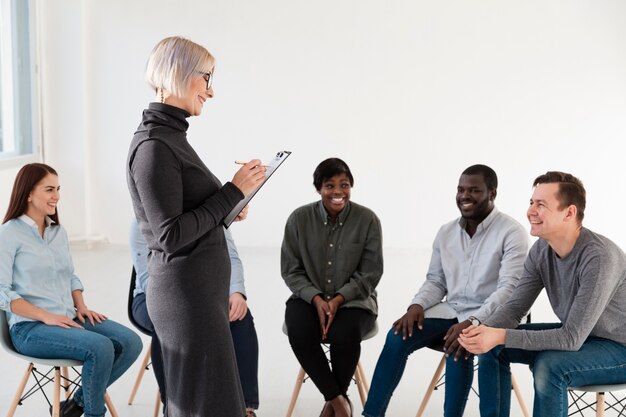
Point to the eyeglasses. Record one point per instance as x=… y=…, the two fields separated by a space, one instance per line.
x=208 y=77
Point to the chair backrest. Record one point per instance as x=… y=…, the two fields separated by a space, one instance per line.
x=5 y=336
x=131 y=295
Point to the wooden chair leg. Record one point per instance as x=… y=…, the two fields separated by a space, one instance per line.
x=66 y=383
x=110 y=406
x=157 y=404
x=56 y=397
x=296 y=392
x=431 y=386
x=518 y=394
x=600 y=404
x=20 y=391
x=361 y=383
x=144 y=365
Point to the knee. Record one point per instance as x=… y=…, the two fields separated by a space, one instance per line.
x=133 y=345
x=102 y=352
x=126 y=342
x=301 y=336
x=394 y=344
x=545 y=373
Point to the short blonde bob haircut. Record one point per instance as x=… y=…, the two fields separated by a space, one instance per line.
x=174 y=61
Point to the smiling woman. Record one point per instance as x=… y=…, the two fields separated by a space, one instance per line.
x=180 y=205
x=43 y=298
x=331 y=260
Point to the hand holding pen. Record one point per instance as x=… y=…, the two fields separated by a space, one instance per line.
x=249 y=176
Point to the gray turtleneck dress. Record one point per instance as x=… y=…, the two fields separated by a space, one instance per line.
x=179 y=205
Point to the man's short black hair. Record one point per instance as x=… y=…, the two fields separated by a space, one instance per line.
x=491 y=179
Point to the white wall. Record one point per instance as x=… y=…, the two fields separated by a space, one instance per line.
x=408 y=92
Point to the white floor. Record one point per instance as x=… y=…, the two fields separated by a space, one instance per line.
x=105 y=272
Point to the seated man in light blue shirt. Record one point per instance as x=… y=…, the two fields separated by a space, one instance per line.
x=476 y=262
x=241 y=321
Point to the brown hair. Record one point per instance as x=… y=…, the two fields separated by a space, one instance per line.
x=571 y=191
x=27 y=178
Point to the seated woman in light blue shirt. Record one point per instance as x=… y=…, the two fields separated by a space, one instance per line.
x=43 y=298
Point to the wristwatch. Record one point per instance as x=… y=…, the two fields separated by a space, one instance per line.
x=474 y=321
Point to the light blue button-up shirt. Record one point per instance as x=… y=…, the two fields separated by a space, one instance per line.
x=139 y=253
x=37 y=269
x=475 y=274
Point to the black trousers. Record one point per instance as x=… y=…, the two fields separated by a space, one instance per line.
x=344 y=337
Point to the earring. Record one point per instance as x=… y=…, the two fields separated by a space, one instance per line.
x=162 y=98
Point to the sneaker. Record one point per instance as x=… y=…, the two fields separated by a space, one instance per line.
x=69 y=408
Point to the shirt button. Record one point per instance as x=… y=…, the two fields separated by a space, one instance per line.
x=330 y=263
x=329 y=281
x=340 y=224
x=331 y=245
x=328 y=297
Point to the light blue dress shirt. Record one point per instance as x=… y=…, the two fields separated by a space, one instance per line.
x=37 y=269
x=475 y=274
x=139 y=253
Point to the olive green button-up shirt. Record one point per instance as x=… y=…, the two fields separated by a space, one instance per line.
x=344 y=257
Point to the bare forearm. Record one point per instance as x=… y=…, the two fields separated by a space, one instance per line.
x=23 y=308
x=79 y=301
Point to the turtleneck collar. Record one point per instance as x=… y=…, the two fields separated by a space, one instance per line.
x=164 y=114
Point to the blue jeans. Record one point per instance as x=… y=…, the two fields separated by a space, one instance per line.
x=106 y=349
x=392 y=361
x=598 y=361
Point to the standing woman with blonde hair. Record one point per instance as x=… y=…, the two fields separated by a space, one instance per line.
x=179 y=205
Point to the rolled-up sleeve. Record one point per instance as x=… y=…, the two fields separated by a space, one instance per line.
x=7 y=256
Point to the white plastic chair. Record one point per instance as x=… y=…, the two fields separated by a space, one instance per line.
x=60 y=368
x=578 y=404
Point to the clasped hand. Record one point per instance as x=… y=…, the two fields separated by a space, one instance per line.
x=326 y=311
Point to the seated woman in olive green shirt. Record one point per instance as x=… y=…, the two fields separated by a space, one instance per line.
x=331 y=260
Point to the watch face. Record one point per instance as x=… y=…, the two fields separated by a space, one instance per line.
x=475 y=321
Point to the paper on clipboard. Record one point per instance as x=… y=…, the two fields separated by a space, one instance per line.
x=269 y=170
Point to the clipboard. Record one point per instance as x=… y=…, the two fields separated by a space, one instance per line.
x=270 y=168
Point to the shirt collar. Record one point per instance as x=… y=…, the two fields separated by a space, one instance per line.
x=29 y=221
x=340 y=219
x=484 y=224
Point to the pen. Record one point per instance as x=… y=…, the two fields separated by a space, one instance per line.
x=244 y=162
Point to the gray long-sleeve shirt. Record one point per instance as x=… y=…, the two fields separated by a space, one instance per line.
x=586 y=289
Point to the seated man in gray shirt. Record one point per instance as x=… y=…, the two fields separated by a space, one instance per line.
x=584 y=276
x=476 y=262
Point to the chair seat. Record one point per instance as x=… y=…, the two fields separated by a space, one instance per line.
x=600 y=388
x=63 y=363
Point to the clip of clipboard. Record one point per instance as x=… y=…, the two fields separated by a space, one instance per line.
x=270 y=168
